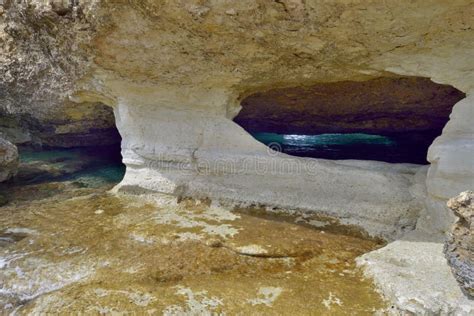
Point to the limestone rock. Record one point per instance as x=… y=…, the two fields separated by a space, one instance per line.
x=37 y=76
x=452 y=166
x=459 y=248
x=8 y=160
x=414 y=277
x=175 y=73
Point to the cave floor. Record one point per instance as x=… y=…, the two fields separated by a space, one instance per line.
x=70 y=248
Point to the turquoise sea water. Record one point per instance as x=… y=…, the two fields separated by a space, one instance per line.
x=324 y=140
x=348 y=146
x=88 y=166
x=96 y=166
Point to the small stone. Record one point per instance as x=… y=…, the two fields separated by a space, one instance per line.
x=198 y=10
x=231 y=12
x=99 y=211
x=253 y=250
x=60 y=7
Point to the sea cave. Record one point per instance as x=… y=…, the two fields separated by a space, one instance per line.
x=248 y=157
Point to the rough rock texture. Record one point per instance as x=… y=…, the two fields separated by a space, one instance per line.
x=175 y=72
x=459 y=248
x=398 y=105
x=38 y=73
x=414 y=277
x=8 y=160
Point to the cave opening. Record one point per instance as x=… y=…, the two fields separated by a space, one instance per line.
x=390 y=119
x=86 y=153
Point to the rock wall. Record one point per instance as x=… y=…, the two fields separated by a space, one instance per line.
x=38 y=69
x=452 y=166
x=176 y=71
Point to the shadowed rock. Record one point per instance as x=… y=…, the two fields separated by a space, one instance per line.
x=8 y=160
x=459 y=248
x=386 y=105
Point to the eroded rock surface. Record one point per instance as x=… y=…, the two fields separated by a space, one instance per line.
x=8 y=160
x=38 y=70
x=452 y=166
x=414 y=277
x=175 y=72
x=459 y=248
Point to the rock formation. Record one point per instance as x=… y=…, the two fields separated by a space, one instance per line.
x=386 y=106
x=175 y=72
x=38 y=73
x=452 y=165
x=459 y=248
x=414 y=277
x=8 y=160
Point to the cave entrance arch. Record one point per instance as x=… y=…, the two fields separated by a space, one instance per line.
x=81 y=143
x=391 y=119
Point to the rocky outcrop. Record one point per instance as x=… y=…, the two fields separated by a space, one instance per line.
x=176 y=71
x=459 y=248
x=8 y=160
x=413 y=276
x=386 y=106
x=38 y=71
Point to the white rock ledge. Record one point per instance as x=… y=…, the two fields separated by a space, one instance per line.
x=414 y=276
x=198 y=154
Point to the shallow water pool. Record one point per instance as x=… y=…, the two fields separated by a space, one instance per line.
x=68 y=247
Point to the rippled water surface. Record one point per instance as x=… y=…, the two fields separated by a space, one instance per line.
x=408 y=148
x=68 y=246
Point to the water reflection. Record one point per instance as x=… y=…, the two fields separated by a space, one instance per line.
x=394 y=149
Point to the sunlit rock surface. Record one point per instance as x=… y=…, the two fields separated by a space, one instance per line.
x=8 y=160
x=413 y=275
x=459 y=248
x=452 y=166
